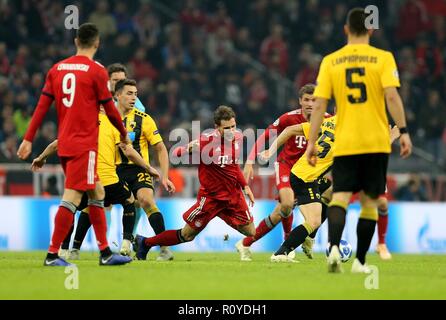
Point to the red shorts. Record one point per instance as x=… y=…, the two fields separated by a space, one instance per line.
x=234 y=212
x=283 y=171
x=80 y=171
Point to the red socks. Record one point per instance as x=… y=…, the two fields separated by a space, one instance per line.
x=99 y=222
x=62 y=225
x=261 y=230
x=383 y=220
x=287 y=224
x=165 y=238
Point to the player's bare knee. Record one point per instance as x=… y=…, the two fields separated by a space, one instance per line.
x=248 y=230
x=286 y=207
x=382 y=205
x=314 y=222
x=188 y=234
x=72 y=196
x=97 y=194
x=145 y=203
x=275 y=217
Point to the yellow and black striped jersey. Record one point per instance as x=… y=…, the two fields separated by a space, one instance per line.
x=108 y=139
x=356 y=75
x=301 y=168
x=142 y=131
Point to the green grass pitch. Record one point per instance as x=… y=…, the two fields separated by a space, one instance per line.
x=221 y=276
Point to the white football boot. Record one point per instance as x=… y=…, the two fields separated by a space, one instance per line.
x=63 y=253
x=284 y=257
x=126 y=248
x=357 y=267
x=165 y=254
x=245 y=252
x=74 y=254
x=307 y=247
x=334 y=260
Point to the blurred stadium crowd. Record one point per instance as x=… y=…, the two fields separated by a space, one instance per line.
x=189 y=56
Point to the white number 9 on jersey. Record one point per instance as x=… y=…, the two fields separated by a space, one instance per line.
x=68 y=88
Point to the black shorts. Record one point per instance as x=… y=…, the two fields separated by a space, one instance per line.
x=366 y=172
x=84 y=202
x=116 y=193
x=135 y=177
x=308 y=192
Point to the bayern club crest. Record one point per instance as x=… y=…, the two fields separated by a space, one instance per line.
x=285 y=178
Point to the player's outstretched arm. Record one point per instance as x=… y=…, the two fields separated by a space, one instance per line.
x=396 y=110
x=163 y=159
x=193 y=146
x=289 y=132
x=188 y=149
x=114 y=117
x=135 y=157
x=317 y=116
x=248 y=170
x=42 y=108
x=40 y=161
x=244 y=185
x=249 y=194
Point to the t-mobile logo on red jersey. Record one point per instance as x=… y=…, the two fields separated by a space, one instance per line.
x=301 y=142
x=224 y=160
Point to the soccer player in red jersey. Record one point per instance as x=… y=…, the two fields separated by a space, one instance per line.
x=383 y=220
x=78 y=86
x=382 y=223
x=291 y=152
x=221 y=190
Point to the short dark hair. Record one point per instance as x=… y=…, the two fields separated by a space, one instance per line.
x=124 y=82
x=306 y=89
x=87 y=35
x=116 y=67
x=223 y=113
x=356 y=21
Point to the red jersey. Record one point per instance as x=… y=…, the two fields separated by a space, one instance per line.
x=78 y=85
x=294 y=148
x=218 y=171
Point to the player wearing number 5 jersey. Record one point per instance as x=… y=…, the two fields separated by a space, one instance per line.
x=311 y=188
x=78 y=86
x=361 y=78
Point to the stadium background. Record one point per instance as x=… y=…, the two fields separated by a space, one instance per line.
x=188 y=57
